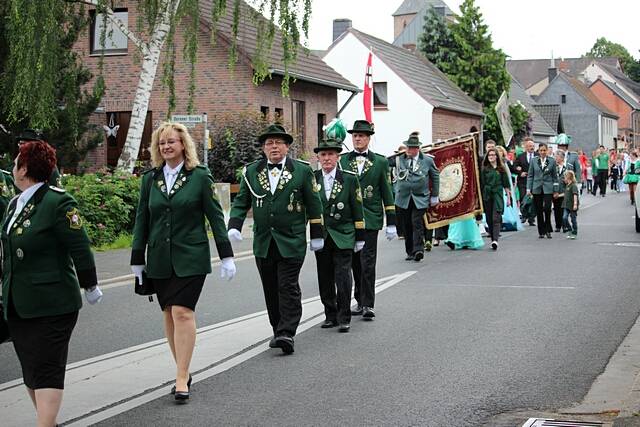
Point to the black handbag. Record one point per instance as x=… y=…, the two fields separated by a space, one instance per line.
x=146 y=288
x=4 y=327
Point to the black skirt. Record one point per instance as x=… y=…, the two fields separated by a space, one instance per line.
x=42 y=346
x=182 y=291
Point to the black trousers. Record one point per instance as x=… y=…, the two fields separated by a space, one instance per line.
x=542 y=203
x=558 y=212
x=334 y=281
x=414 y=228
x=399 y=222
x=281 y=288
x=494 y=219
x=601 y=182
x=363 y=265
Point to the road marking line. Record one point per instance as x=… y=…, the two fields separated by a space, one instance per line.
x=94 y=387
x=503 y=286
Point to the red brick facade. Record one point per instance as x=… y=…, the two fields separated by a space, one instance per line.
x=624 y=111
x=218 y=89
x=448 y=124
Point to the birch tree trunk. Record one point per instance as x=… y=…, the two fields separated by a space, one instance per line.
x=150 y=59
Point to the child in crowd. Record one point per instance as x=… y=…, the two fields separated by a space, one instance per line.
x=589 y=177
x=615 y=173
x=621 y=169
x=570 y=204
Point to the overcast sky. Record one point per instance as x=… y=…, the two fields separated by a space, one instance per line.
x=521 y=28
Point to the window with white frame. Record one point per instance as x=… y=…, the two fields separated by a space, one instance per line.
x=115 y=41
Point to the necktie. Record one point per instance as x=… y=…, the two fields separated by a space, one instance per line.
x=360 y=154
x=19 y=205
x=530 y=156
x=275 y=166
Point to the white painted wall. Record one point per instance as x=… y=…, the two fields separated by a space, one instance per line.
x=593 y=71
x=407 y=110
x=608 y=131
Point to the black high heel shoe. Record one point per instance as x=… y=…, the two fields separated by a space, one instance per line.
x=181 y=396
x=173 y=389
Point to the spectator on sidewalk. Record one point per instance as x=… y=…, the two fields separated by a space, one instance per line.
x=176 y=196
x=47 y=258
x=632 y=175
x=571 y=201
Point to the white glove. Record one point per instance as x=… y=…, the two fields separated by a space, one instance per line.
x=93 y=295
x=316 y=244
x=228 y=269
x=137 y=271
x=359 y=245
x=391 y=232
x=434 y=200
x=234 y=235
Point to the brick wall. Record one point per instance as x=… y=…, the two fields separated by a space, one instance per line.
x=448 y=124
x=218 y=89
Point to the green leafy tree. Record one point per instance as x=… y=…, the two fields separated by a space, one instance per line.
x=604 y=48
x=35 y=34
x=472 y=62
x=436 y=41
x=67 y=128
x=520 y=121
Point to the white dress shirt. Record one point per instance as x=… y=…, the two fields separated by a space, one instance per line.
x=22 y=201
x=274 y=175
x=360 y=160
x=329 y=179
x=170 y=175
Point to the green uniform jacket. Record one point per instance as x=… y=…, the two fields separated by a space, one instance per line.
x=172 y=228
x=281 y=216
x=414 y=184
x=542 y=181
x=375 y=183
x=7 y=191
x=572 y=163
x=343 y=212
x=493 y=183
x=569 y=192
x=561 y=184
x=44 y=244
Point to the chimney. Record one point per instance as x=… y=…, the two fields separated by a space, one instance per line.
x=340 y=26
x=553 y=71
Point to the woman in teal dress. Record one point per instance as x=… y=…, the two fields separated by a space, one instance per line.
x=511 y=215
x=464 y=234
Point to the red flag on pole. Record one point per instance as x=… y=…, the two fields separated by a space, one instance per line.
x=368 y=91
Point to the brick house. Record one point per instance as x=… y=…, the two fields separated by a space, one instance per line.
x=627 y=108
x=312 y=100
x=409 y=92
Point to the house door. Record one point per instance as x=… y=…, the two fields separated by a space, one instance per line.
x=117 y=138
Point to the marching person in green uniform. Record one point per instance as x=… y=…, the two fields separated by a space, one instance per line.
x=36 y=135
x=344 y=234
x=494 y=182
x=283 y=195
x=417 y=188
x=375 y=182
x=7 y=190
x=46 y=260
x=175 y=198
x=571 y=160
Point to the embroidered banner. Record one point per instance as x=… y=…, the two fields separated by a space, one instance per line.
x=460 y=197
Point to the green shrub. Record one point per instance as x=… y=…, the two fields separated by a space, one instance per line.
x=107 y=203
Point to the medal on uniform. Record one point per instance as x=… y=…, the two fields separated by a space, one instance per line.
x=290 y=205
x=369 y=191
x=19 y=253
x=299 y=207
x=340 y=205
x=19 y=231
x=337 y=216
x=26 y=223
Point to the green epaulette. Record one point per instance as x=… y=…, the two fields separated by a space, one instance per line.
x=430 y=155
x=303 y=161
x=147 y=171
x=349 y=172
x=201 y=166
x=5 y=172
x=57 y=189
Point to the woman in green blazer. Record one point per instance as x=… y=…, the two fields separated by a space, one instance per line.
x=46 y=255
x=494 y=181
x=175 y=197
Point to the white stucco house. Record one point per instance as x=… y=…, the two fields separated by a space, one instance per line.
x=410 y=93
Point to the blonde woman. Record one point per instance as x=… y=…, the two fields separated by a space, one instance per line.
x=175 y=198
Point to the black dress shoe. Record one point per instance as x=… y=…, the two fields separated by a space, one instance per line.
x=409 y=258
x=272 y=342
x=357 y=311
x=173 y=389
x=181 y=396
x=548 y=235
x=418 y=256
x=285 y=343
x=328 y=324
x=344 y=327
x=541 y=236
x=450 y=245
x=367 y=313
x=557 y=230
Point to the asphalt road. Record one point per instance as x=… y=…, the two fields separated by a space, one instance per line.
x=471 y=335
